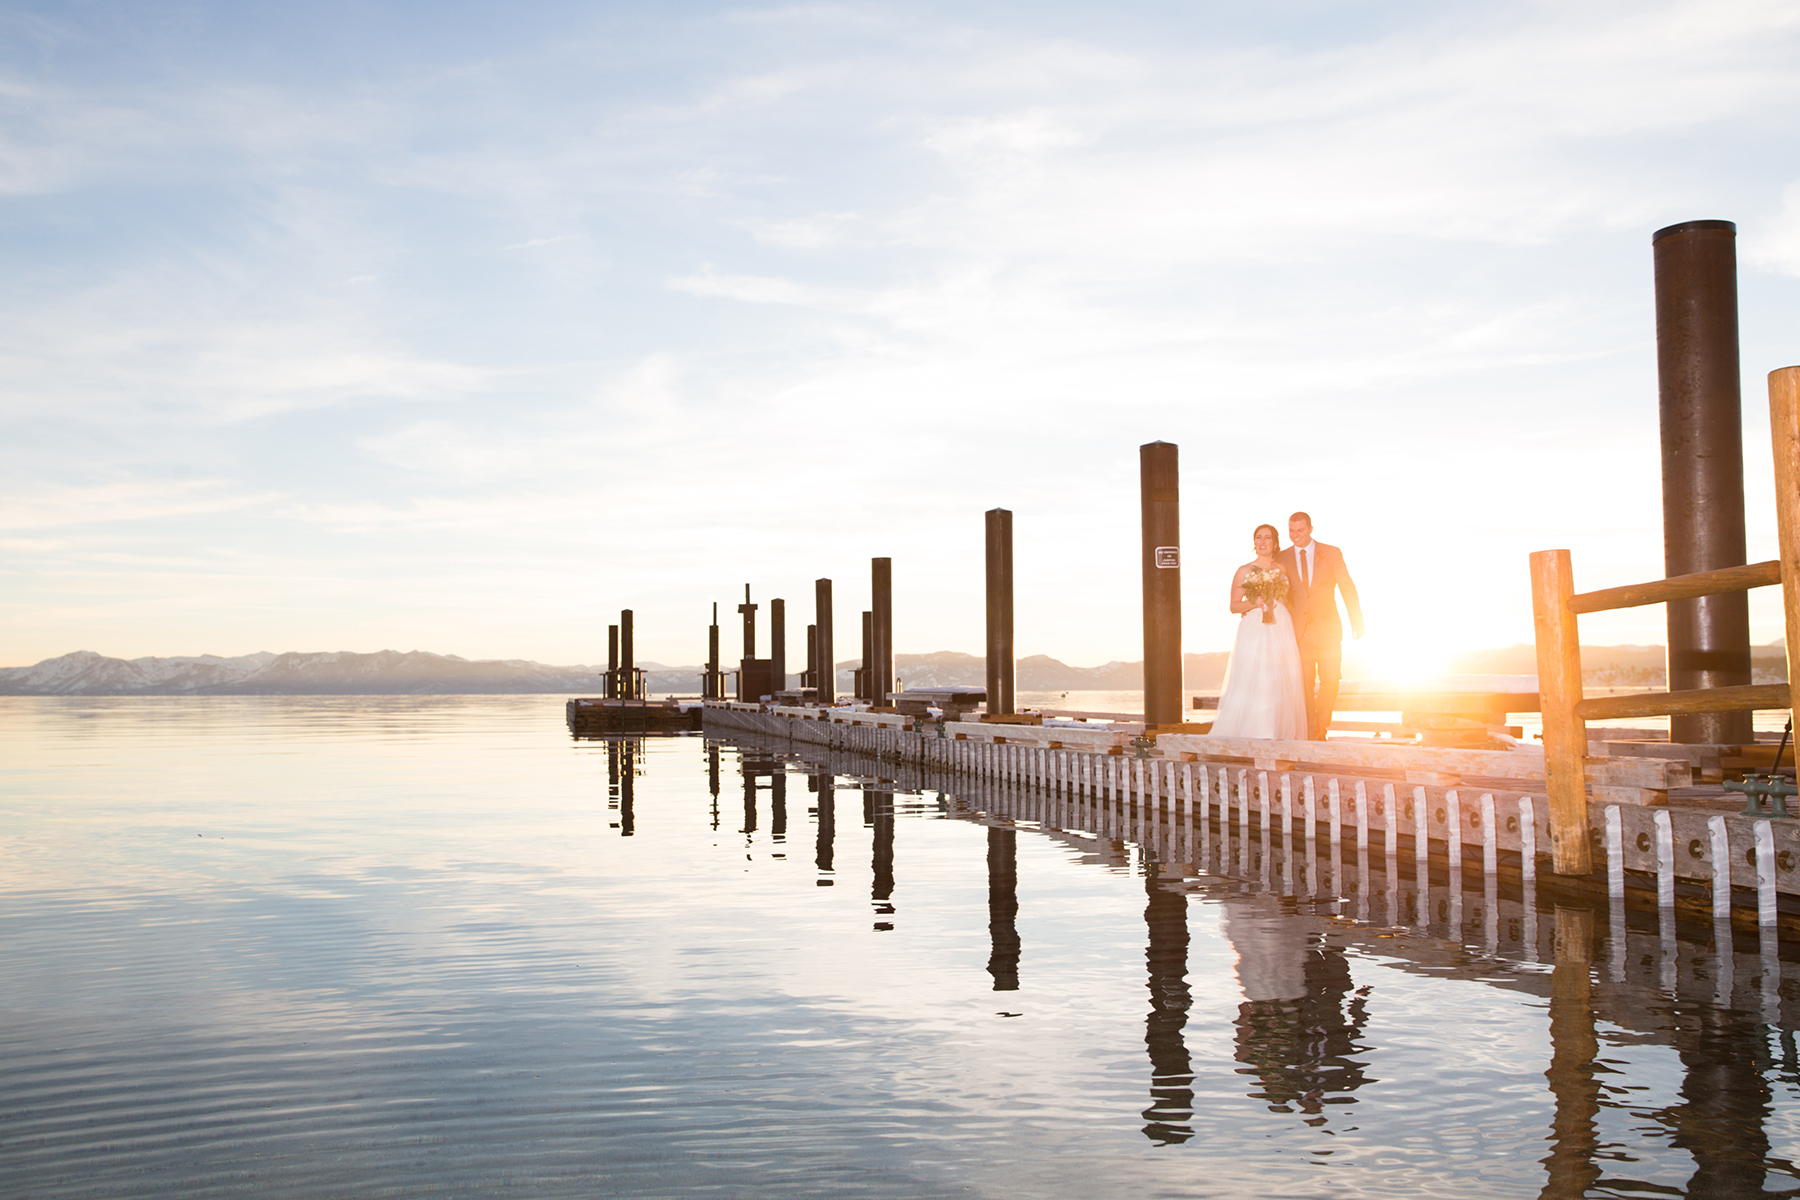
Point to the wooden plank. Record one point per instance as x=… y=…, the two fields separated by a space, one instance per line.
x=1565 y=732
x=1784 y=431
x=1698 y=700
x=1679 y=587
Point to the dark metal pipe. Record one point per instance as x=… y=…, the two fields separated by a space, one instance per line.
x=777 y=646
x=881 y=601
x=867 y=673
x=1702 y=464
x=1159 y=481
x=1001 y=675
x=611 y=690
x=827 y=683
x=627 y=658
x=714 y=689
x=811 y=678
x=749 y=612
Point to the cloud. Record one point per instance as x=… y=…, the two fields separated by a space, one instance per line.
x=123 y=501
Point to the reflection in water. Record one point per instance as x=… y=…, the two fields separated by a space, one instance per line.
x=1302 y=1013
x=712 y=780
x=621 y=777
x=166 y=979
x=1171 y=1069
x=825 y=783
x=1725 y=1104
x=778 y=803
x=1573 y=1048
x=878 y=813
x=1003 y=908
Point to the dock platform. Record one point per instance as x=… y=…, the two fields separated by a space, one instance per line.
x=1479 y=811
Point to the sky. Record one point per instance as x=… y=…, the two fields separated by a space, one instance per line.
x=462 y=326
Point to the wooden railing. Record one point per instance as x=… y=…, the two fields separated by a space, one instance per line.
x=1556 y=604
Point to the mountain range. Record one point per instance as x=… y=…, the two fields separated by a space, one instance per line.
x=417 y=672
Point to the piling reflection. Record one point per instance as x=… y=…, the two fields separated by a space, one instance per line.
x=878 y=816
x=1166 y=955
x=1573 y=1047
x=1003 y=908
x=1725 y=1104
x=621 y=781
x=825 y=784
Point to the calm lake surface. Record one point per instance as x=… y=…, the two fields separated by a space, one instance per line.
x=430 y=946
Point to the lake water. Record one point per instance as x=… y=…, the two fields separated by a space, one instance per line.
x=430 y=946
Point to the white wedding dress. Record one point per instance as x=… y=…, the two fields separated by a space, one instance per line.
x=1263 y=697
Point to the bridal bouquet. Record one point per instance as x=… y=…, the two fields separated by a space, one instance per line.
x=1265 y=588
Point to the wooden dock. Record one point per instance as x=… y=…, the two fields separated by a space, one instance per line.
x=600 y=716
x=1477 y=811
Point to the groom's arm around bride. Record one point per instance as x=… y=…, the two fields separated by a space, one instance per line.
x=1316 y=575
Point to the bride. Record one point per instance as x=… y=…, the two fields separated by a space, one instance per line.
x=1263 y=696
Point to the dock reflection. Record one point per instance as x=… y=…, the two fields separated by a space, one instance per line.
x=1301 y=1026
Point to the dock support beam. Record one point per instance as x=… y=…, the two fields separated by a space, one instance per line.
x=827 y=681
x=627 y=658
x=811 y=678
x=1702 y=464
x=1160 y=483
x=778 y=645
x=1784 y=431
x=714 y=686
x=863 y=687
x=1559 y=686
x=611 y=691
x=1000 y=658
x=881 y=602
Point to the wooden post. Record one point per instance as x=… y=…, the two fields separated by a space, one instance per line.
x=777 y=645
x=1784 y=429
x=627 y=658
x=827 y=681
x=1160 y=487
x=1000 y=667
x=1559 y=690
x=881 y=604
x=612 y=662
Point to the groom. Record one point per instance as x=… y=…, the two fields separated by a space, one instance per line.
x=1316 y=573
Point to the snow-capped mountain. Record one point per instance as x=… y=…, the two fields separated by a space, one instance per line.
x=387 y=672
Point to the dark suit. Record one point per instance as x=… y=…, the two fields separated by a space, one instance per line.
x=1320 y=632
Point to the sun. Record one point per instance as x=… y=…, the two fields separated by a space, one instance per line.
x=1399 y=655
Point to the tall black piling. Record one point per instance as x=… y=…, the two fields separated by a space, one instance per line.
x=867 y=671
x=714 y=688
x=628 y=688
x=1160 y=484
x=611 y=690
x=777 y=645
x=811 y=678
x=1001 y=674
x=1702 y=464
x=827 y=683
x=881 y=601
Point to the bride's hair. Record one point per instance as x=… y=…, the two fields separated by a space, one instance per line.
x=1272 y=534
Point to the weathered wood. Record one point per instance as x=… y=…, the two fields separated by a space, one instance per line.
x=1698 y=700
x=1784 y=431
x=1565 y=732
x=1680 y=587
